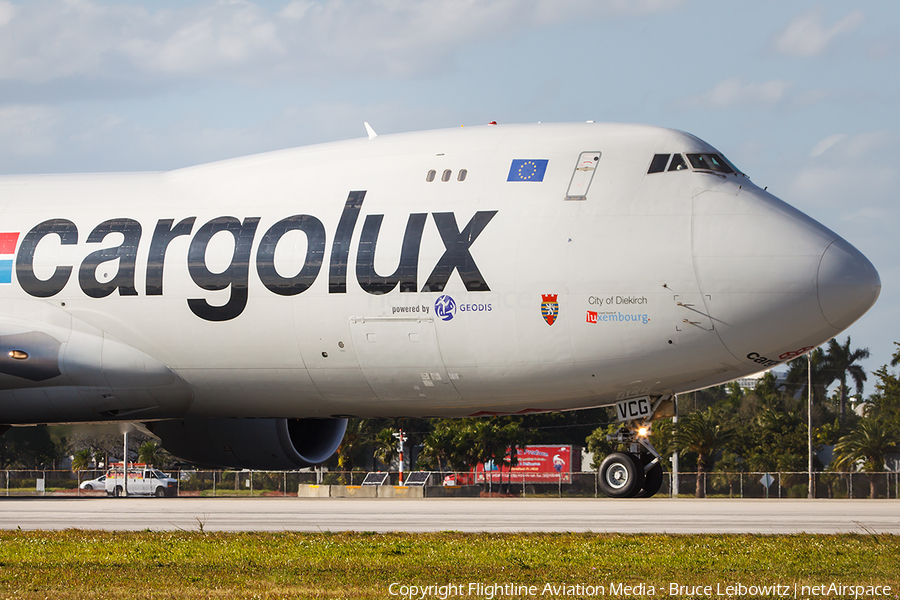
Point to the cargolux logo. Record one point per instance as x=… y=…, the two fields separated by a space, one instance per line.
x=123 y=258
x=445 y=307
x=7 y=250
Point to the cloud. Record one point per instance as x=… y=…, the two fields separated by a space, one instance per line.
x=733 y=92
x=239 y=39
x=807 y=35
x=27 y=131
x=854 y=174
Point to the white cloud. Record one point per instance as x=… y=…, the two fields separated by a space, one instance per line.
x=7 y=10
x=733 y=92
x=826 y=144
x=59 y=39
x=27 y=131
x=807 y=35
x=854 y=174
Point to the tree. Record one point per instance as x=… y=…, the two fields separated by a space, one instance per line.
x=81 y=460
x=870 y=443
x=28 y=448
x=896 y=358
x=885 y=402
x=842 y=362
x=822 y=376
x=358 y=438
x=703 y=434
x=150 y=453
x=385 y=446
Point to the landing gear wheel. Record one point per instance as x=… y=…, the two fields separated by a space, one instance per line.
x=652 y=479
x=621 y=475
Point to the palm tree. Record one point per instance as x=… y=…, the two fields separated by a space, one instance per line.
x=842 y=361
x=822 y=376
x=385 y=446
x=81 y=460
x=896 y=358
x=703 y=434
x=870 y=442
x=357 y=437
x=150 y=453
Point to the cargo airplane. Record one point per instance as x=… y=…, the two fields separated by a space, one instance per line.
x=244 y=309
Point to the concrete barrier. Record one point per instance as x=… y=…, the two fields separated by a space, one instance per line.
x=313 y=491
x=399 y=491
x=306 y=490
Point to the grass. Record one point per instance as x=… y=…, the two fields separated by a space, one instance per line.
x=91 y=564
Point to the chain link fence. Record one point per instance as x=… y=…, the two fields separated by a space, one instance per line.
x=563 y=485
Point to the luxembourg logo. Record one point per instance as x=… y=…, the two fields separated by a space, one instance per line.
x=445 y=307
x=549 y=308
x=7 y=250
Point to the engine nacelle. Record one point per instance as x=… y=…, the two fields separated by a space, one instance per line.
x=261 y=444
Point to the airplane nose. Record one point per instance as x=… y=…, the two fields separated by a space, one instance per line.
x=847 y=284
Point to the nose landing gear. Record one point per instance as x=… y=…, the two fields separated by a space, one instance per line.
x=637 y=473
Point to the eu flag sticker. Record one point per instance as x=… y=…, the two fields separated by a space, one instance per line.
x=531 y=169
x=7 y=247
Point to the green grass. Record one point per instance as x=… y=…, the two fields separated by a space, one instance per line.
x=90 y=564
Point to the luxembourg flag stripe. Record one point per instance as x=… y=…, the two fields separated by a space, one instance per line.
x=7 y=249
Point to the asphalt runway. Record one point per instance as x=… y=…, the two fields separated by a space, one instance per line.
x=663 y=515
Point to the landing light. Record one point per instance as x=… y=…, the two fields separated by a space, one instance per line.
x=18 y=354
x=643 y=431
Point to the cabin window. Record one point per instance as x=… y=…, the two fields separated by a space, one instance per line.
x=430 y=177
x=446 y=175
x=658 y=164
x=462 y=175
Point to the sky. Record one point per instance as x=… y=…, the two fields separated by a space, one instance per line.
x=803 y=96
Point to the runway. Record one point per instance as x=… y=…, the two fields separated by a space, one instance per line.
x=663 y=515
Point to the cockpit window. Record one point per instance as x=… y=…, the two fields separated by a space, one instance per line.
x=678 y=163
x=658 y=164
x=710 y=162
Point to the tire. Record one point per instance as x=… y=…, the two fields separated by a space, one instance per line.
x=652 y=480
x=118 y=491
x=621 y=475
x=160 y=492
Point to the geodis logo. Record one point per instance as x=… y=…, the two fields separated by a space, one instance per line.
x=446 y=309
x=122 y=259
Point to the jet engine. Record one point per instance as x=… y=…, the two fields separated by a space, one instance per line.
x=261 y=444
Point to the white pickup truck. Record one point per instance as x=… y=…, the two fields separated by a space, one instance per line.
x=143 y=480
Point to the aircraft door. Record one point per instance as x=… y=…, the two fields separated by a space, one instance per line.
x=582 y=175
x=401 y=359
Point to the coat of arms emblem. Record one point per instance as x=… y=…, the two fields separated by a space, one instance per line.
x=549 y=308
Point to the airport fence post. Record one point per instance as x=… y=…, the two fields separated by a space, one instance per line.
x=850 y=477
x=779 y=484
x=214 y=484
x=283 y=484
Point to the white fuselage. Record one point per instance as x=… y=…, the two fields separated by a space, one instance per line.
x=340 y=280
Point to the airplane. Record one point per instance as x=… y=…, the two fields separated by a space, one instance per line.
x=244 y=309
